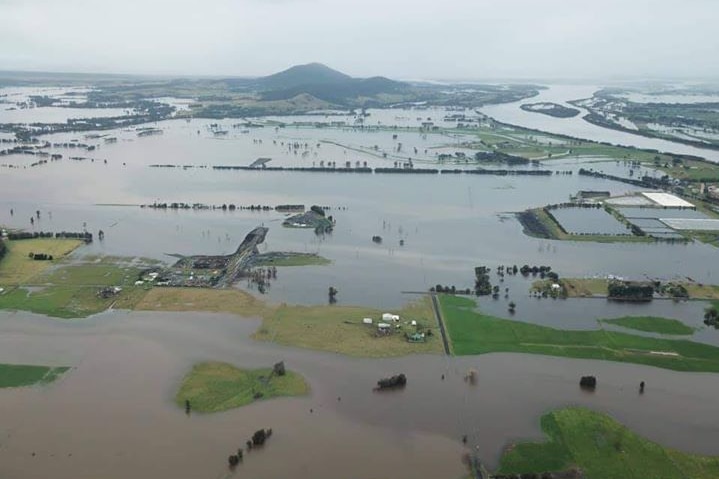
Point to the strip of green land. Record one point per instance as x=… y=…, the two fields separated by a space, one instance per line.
x=602 y=448
x=17 y=375
x=292 y=259
x=651 y=324
x=472 y=332
x=538 y=223
x=214 y=386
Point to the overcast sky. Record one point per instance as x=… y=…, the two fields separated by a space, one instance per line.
x=403 y=39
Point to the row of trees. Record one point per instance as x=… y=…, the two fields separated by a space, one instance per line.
x=630 y=290
x=22 y=235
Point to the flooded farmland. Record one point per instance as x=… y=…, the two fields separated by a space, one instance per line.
x=113 y=414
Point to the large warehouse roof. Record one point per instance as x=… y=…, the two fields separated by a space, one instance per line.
x=667 y=200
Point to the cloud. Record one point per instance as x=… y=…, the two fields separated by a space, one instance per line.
x=399 y=38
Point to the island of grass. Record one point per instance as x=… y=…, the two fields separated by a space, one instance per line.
x=289 y=259
x=601 y=448
x=215 y=386
x=652 y=324
x=472 y=332
x=18 y=375
x=552 y=109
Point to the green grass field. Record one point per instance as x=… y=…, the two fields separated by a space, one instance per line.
x=652 y=324
x=603 y=449
x=17 y=267
x=18 y=375
x=214 y=387
x=472 y=332
x=71 y=290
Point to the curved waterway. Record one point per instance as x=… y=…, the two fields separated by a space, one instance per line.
x=577 y=127
x=113 y=414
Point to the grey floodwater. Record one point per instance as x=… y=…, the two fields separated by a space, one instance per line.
x=113 y=414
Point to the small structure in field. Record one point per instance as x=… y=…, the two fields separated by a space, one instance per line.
x=390 y=317
x=384 y=328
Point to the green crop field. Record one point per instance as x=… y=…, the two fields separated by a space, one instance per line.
x=472 y=332
x=602 y=449
x=17 y=375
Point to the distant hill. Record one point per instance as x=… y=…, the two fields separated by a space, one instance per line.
x=300 y=75
x=325 y=84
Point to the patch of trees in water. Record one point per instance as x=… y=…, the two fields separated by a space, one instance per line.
x=711 y=316
x=392 y=382
x=499 y=157
x=637 y=291
x=226 y=207
x=23 y=235
x=644 y=182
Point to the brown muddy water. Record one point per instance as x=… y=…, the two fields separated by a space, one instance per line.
x=113 y=414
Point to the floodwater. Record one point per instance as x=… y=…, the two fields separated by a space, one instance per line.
x=577 y=127
x=112 y=415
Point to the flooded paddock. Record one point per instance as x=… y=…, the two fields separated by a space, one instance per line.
x=113 y=414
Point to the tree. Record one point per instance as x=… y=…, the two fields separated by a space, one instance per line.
x=711 y=317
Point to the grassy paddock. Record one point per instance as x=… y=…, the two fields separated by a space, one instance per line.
x=214 y=387
x=652 y=324
x=333 y=328
x=233 y=301
x=17 y=267
x=603 y=449
x=339 y=329
x=17 y=375
x=583 y=287
x=472 y=332
x=69 y=302
x=71 y=291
